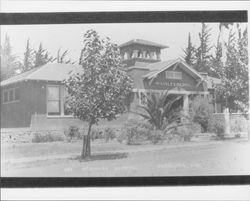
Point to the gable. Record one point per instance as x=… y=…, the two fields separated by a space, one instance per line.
x=187 y=81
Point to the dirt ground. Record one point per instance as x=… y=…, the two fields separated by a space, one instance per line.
x=61 y=159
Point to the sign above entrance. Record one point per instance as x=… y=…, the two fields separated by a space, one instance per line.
x=171 y=84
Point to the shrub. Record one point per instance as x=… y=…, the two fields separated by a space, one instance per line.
x=46 y=137
x=73 y=132
x=156 y=136
x=134 y=131
x=96 y=133
x=201 y=111
x=109 y=134
x=219 y=129
x=182 y=133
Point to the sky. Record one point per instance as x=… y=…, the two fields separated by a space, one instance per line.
x=70 y=36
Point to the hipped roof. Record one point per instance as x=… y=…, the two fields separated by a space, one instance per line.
x=143 y=42
x=47 y=72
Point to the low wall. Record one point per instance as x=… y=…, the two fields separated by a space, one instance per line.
x=237 y=124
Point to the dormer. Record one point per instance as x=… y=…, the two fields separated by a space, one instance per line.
x=140 y=50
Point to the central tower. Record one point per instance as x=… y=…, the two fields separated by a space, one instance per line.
x=140 y=50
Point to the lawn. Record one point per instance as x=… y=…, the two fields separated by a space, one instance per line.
x=113 y=159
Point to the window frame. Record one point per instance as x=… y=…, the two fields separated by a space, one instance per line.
x=61 y=102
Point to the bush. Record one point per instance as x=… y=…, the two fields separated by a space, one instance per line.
x=109 y=134
x=134 y=131
x=219 y=129
x=73 y=132
x=96 y=133
x=183 y=133
x=156 y=136
x=46 y=137
x=201 y=111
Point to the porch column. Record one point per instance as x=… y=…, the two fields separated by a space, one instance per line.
x=185 y=105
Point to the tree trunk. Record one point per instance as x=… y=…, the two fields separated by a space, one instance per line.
x=86 y=144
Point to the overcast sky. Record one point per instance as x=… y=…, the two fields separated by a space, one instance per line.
x=70 y=36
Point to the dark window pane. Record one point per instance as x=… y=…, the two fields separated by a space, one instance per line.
x=11 y=95
x=5 y=96
x=17 y=94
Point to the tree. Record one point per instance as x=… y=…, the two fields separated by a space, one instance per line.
x=234 y=88
x=159 y=110
x=42 y=57
x=216 y=60
x=189 y=52
x=9 y=63
x=202 y=53
x=100 y=90
x=222 y=39
x=61 y=57
x=28 y=62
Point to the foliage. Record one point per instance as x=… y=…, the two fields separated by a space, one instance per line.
x=159 y=110
x=182 y=133
x=46 y=137
x=9 y=62
x=219 y=130
x=96 y=133
x=99 y=91
x=28 y=61
x=134 y=131
x=42 y=57
x=189 y=52
x=201 y=111
x=61 y=57
x=203 y=51
x=109 y=134
x=72 y=132
x=234 y=88
x=217 y=125
x=156 y=136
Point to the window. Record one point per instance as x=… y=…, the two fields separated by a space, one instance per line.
x=173 y=75
x=5 y=96
x=17 y=94
x=53 y=100
x=11 y=95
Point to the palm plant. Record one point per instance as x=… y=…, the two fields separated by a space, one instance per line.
x=159 y=110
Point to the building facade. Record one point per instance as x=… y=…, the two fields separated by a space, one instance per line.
x=36 y=98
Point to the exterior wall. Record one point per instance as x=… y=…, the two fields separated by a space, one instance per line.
x=32 y=100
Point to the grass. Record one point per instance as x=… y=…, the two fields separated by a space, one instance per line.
x=218 y=158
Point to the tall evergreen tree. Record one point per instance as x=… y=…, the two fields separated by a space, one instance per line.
x=28 y=62
x=9 y=63
x=203 y=51
x=189 y=52
x=216 y=60
x=42 y=57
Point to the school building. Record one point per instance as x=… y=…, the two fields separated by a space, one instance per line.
x=36 y=98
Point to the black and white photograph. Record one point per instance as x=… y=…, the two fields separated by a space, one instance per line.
x=150 y=99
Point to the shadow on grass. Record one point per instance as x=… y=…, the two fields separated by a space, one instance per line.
x=108 y=156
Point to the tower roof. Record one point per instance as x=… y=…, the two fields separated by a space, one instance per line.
x=143 y=42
